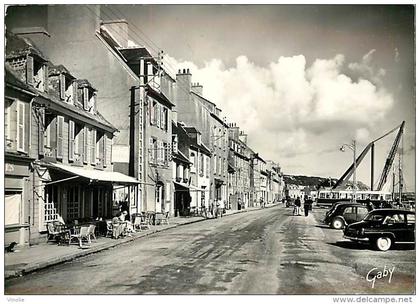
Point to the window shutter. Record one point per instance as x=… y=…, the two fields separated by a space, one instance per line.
x=151 y=150
x=21 y=126
x=45 y=69
x=60 y=132
x=85 y=145
x=161 y=117
x=93 y=147
x=71 y=140
x=30 y=70
x=105 y=142
x=41 y=130
x=158 y=115
x=85 y=98
x=62 y=87
x=74 y=91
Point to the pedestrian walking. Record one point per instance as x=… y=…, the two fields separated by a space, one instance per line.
x=307 y=205
x=296 y=210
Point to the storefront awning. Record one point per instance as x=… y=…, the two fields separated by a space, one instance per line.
x=182 y=186
x=96 y=175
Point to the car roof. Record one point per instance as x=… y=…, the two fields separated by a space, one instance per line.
x=392 y=210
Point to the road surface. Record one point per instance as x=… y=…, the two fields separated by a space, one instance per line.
x=267 y=251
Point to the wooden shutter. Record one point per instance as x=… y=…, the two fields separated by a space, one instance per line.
x=85 y=145
x=105 y=142
x=60 y=133
x=85 y=99
x=62 y=87
x=93 y=147
x=151 y=150
x=74 y=91
x=71 y=140
x=150 y=106
x=41 y=130
x=45 y=69
x=158 y=115
x=20 y=126
x=29 y=69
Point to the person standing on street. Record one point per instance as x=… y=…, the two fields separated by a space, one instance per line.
x=307 y=205
x=296 y=210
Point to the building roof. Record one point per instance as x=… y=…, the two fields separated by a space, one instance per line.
x=84 y=83
x=13 y=80
x=58 y=69
x=181 y=157
x=19 y=46
x=159 y=96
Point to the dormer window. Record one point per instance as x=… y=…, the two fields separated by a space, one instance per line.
x=88 y=97
x=198 y=138
x=68 y=89
x=37 y=73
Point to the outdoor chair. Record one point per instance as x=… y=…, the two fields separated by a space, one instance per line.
x=165 y=218
x=52 y=233
x=109 y=228
x=92 y=232
x=80 y=235
x=141 y=221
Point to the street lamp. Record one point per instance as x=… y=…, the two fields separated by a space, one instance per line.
x=352 y=147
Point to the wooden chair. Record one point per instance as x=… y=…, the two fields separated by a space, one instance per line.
x=141 y=221
x=80 y=235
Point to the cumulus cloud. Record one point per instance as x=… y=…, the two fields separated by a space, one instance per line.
x=293 y=103
x=366 y=69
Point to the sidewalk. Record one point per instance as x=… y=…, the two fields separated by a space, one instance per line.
x=43 y=255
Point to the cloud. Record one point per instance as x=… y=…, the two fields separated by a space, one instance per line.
x=289 y=108
x=366 y=69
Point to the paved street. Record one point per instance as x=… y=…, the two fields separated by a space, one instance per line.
x=262 y=252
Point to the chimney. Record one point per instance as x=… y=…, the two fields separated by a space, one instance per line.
x=197 y=88
x=118 y=30
x=183 y=80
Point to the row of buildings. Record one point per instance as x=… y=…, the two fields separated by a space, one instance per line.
x=93 y=125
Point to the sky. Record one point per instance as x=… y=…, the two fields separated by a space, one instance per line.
x=301 y=80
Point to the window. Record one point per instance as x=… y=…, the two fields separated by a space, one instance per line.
x=21 y=126
x=73 y=204
x=201 y=164
x=411 y=218
x=165 y=118
x=362 y=211
x=152 y=150
x=165 y=154
x=60 y=133
x=12 y=208
x=175 y=143
x=349 y=210
x=215 y=164
x=51 y=203
x=85 y=96
x=157 y=113
x=207 y=166
x=193 y=161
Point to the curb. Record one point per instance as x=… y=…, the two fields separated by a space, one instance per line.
x=9 y=274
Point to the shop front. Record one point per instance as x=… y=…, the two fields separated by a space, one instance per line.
x=78 y=194
x=16 y=199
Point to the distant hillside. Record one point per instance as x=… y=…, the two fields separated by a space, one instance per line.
x=316 y=181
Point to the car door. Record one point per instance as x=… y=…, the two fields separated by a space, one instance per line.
x=349 y=214
x=395 y=223
x=361 y=213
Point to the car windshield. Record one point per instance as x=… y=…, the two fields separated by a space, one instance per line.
x=374 y=217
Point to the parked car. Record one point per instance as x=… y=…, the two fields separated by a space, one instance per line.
x=346 y=213
x=334 y=206
x=383 y=228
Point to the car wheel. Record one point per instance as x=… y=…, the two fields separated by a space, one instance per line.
x=383 y=243
x=337 y=223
